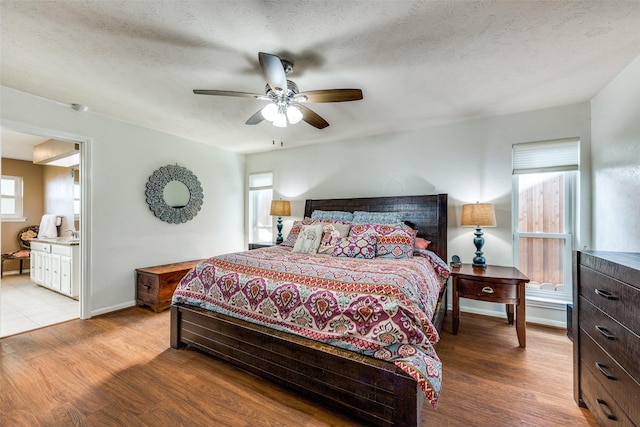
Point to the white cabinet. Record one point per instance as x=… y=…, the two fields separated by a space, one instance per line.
x=56 y=266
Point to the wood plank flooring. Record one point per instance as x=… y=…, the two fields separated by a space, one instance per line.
x=118 y=370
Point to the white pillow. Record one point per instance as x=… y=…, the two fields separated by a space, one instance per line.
x=309 y=239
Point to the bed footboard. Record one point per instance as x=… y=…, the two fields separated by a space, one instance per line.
x=373 y=390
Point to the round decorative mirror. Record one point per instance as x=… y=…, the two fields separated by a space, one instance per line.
x=174 y=194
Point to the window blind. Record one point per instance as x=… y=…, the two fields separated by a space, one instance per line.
x=546 y=156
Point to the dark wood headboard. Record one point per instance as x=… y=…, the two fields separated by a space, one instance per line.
x=428 y=214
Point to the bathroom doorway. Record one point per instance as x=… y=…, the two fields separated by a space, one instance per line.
x=25 y=304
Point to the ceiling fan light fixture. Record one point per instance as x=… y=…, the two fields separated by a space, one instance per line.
x=294 y=114
x=280 y=121
x=270 y=112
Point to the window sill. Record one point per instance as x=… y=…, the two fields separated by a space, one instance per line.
x=548 y=302
x=16 y=219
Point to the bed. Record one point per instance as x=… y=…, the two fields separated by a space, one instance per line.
x=377 y=391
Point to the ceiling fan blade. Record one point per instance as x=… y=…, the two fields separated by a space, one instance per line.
x=330 y=95
x=227 y=93
x=256 y=118
x=273 y=71
x=312 y=118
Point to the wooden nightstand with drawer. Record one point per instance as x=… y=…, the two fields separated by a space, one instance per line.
x=155 y=285
x=503 y=285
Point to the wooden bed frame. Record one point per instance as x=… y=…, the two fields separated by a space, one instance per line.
x=373 y=390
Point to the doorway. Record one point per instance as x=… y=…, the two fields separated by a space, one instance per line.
x=26 y=305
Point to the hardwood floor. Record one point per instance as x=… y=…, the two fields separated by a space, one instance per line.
x=118 y=370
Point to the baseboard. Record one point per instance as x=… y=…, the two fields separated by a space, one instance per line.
x=530 y=319
x=15 y=273
x=109 y=309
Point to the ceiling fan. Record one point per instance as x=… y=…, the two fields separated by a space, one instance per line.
x=285 y=101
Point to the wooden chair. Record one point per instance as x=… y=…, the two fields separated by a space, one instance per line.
x=24 y=240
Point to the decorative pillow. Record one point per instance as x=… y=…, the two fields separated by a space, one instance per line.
x=330 y=235
x=297 y=226
x=336 y=215
x=392 y=240
x=356 y=247
x=422 y=243
x=358 y=229
x=360 y=217
x=308 y=239
x=397 y=244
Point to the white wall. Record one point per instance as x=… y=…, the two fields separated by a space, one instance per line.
x=123 y=233
x=470 y=161
x=616 y=163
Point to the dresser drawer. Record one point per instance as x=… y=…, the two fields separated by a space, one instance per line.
x=618 y=299
x=602 y=405
x=612 y=377
x=488 y=291
x=620 y=343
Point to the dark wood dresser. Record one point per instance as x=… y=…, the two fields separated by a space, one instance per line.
x=606 y=335
x=155 y=285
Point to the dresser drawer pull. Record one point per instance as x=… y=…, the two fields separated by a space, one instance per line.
x=603 y=370
x=604 y=331
x=606 y=409
x=487 y=290
x=606 y=294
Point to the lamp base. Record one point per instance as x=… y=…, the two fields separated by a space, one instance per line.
x=479 y=262
x=279 y=239
x=478 y=241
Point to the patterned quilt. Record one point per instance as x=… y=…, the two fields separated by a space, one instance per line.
x=380 y=307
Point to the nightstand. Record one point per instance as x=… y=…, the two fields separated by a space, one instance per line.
x=503 y=285
x=258 y=245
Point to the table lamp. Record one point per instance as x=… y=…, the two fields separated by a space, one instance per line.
x=478 y=215
x=280 y=208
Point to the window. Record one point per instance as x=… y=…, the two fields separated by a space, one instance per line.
x=544 y=196
x=11 y=201
x=76 y=200
x=260 y=196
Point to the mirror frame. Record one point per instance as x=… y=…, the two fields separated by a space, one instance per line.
x=155 y=194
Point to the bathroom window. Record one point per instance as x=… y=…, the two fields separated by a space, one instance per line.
x=76 y=200
x=11 y=198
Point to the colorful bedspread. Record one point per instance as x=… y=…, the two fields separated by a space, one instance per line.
x=380 y=307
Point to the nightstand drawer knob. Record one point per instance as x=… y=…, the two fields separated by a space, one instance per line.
x=487 y=290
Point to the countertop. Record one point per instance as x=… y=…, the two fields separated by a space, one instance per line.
x=68 y=241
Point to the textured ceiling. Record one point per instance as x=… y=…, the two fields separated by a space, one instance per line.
x=419 y=63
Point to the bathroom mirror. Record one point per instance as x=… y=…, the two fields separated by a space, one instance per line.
x=174 y=194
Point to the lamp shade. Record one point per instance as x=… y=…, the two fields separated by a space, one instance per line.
x=280 y=208
x=478 y=215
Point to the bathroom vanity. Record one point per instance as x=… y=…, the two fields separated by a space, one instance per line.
x=55 y=264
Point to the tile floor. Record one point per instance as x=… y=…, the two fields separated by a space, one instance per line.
x=25 y=306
